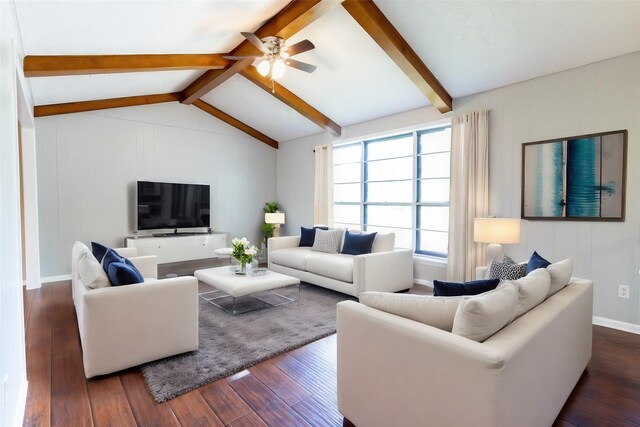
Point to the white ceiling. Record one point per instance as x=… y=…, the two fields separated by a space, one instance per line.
x=470 y=46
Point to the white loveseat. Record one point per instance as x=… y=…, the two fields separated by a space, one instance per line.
x=125 y=326
x=396 y=371
x=385 y=269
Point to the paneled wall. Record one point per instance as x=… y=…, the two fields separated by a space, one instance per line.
x=599 y=97
x=594 y=98
x=88 y=165
x=13 y=374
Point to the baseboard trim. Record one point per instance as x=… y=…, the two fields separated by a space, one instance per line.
x=423 y=282
x=616 y=324
x=18 y=418
x=50 y=279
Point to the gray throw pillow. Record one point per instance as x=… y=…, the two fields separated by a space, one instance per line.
x=328 y=241
x=505 y=269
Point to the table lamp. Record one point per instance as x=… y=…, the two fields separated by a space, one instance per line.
x=275 y=218
x=495 y=232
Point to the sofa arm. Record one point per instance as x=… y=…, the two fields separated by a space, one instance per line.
x=146 y=265
x=125 y=326
x=127 y=252
x=395 y=371
x=275 y=243
x=383 y=271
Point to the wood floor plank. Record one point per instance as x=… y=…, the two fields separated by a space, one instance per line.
x=38 y=351
x=248 y=420
x=105 y=386
x=69 y=397
x=318 y=414
x=280 y=383
x=112 y=411
x=322 y=385
x=263 y=401
x=192 y=410
x=562 y=423
x=146 y=411
x=225 y=402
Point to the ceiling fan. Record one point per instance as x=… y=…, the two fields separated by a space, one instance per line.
x=276 y=55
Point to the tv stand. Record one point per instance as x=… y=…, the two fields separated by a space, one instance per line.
x=175 y=247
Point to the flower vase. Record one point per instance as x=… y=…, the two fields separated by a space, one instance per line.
x=243 y=268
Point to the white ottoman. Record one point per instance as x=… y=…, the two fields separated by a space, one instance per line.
x=242 y=293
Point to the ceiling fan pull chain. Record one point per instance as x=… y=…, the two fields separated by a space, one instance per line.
x=273 y=86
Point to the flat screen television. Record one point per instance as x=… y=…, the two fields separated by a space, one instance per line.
x=171 y=205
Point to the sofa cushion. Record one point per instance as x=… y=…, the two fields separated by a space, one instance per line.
x=77 y=251
x=536 y=262
x=98 y=250
x=560 y=273
x=480 y=316
x=121 y=273
x=90 y=271
x=291 y=257
x=505 y=269
x=109 y=257
x=450 y=289
x=328 y=241
x=532 y=290
x=358 y=243
x=384 y=242
x=334 y=266
x=438 y=312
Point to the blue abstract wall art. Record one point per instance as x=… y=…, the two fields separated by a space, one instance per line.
x=575 y=178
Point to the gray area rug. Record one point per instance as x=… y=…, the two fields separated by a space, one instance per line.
x=229 y=344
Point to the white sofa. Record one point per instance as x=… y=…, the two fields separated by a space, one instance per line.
x=125 y=326
x=395 y=371
x=385 y=269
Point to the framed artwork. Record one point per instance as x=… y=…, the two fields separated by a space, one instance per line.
x=580 y=178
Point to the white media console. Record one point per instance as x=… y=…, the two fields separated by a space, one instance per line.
x=175 y=248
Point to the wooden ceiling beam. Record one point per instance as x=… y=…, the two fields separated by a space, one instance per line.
x=294 y=17
x=103 y=104
x=380 y=29
x=210 y=109
x=293 y=101
x=64 y=65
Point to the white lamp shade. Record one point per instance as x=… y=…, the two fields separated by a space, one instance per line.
x=263 y=68
x=274 y=218
x=278 y=69
x=496 y=230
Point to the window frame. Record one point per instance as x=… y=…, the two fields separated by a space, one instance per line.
x=416 y=185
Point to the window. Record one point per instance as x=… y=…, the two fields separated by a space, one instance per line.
x=397 y=184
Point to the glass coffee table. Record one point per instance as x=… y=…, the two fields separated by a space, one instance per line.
x=237 y=294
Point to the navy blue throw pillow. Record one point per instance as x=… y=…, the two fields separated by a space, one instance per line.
x=122 y=273
x=452 y=289
x=109 y=257
x=98 y=250
x=536 y=262
x=308 y=235
x=358 y=244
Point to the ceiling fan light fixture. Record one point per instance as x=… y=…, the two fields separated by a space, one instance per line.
x=278 y=69
x=264 y=67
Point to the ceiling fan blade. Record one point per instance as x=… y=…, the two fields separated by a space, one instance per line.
x=255 y=41
x=237 y=58
x=300 y=47
x=303 y=66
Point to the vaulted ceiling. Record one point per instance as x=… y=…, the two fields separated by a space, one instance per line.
x=374 y=58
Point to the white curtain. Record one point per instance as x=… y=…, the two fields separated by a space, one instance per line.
x=469 y=197
x=323 y=189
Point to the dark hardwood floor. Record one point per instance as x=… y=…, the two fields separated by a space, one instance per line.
x=296 y=388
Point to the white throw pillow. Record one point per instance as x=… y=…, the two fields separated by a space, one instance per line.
x=91 y=272
x=384 y=242
x=433 y=311
x=532 y=290
x=328 y=241
x=480 y=316
x=560 y=272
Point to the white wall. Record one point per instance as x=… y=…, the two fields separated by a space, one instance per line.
x=598 y=97
x=88 y=165
x=296 y=173
x=12 y=346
